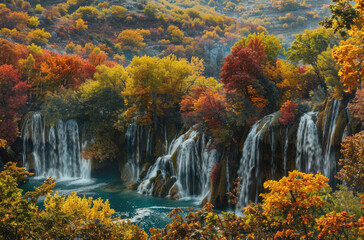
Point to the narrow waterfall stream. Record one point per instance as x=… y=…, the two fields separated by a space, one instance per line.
x=309 y=151
x=54 y=151
x=329 y=157
x=249 y=170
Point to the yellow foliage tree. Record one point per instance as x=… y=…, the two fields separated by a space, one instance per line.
x=350 y=54
x=155 y=87
x=131 y=40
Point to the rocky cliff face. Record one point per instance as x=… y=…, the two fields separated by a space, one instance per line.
x=176 y=162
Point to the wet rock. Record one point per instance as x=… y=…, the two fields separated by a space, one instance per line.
x=145 y=169
x=173 y=193
x=167 y=186
x=54 y=34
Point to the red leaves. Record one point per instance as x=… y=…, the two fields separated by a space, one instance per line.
x=288 y=113
x=204 y=106
x=240 y=70
x=13 y=96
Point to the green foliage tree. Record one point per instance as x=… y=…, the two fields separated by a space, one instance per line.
x=308 y=46
x=272 y=44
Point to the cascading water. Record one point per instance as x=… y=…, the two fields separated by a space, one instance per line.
x=132 y=138
x=249 y=170
x=58 y=155
x=138 y=146
x=193 y=167
x=285 y=153
x=309 y=152
x=329 y=159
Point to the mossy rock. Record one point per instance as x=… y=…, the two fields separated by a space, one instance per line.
x=158 y=183
x=187 y=135
x=174 y=160
x=144 y=170
x=275 y=122
x=167 y=186
x=341 y=123
x=174 y=192
x=218 y=195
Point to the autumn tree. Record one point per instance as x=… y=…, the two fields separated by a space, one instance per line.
x=38 y=36
x=201 y=224
x=13 y=96
x=64 y=70
x=10 y=52
x=87 y=13
x=352 y=163
x=349 y=54
x=308 y=46
x=131 y=40
x=154 y=88
x=328 y=68
x=288 y=113
x=175 y=34
x=241 y=71
x=117 y=12
x=292 y=202
x=272 y=44
x=204 y=105
x=356 y=106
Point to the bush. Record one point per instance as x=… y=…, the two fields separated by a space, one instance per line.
x=117 y=12
x=39 y=9
x=38 y=36
x=33 y=22
x=87 y=13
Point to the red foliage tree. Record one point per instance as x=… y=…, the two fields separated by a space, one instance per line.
x=241 y=70
x=13 y=96
x=288 y=113
x=204 y=105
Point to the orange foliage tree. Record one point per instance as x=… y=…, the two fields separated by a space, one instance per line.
x=292 y=202
x=349 y=55
x=64 y=71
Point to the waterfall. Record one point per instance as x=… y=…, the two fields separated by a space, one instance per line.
x=132 y=140
x=309 y=152
x=193 y=166
x=329 y=160
x=272 y=151
x=249 y=170
x=285 y=153
x=54 y=151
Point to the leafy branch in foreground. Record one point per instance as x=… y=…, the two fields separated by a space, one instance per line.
x=63 y=217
